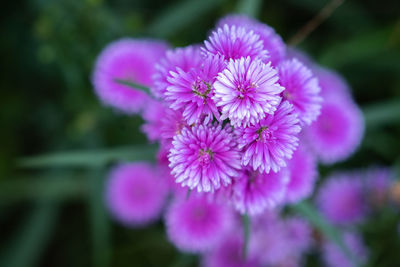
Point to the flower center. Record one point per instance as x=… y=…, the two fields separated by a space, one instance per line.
x=205 y=156
x=264 y=134
x=201 y=88
x=243 y=89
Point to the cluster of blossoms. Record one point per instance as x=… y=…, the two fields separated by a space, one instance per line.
x=242 y=121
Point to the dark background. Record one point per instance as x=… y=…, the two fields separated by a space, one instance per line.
x=54 y=216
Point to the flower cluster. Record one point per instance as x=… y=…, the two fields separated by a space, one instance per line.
x=242 y=121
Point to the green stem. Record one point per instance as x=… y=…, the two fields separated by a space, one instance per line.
x=133 y=85
x=246 y=234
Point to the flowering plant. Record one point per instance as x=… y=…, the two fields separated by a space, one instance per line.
x=241 y=121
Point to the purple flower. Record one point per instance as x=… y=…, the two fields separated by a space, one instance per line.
x=183 y=58
x=229 y=252
x=272 y=42
x=338 y=131
x=303 y=173
x=331 y=83
x=172 y=123
x=300 y=234
x=192 y=91
x=247 y=90
x=255 y=192
x=130 y=60
x=233 y=42
x=301 y=89
x=271 y=141
x=197 y=224
x=134 y=195
x=378 y=182
x=204 y=157
x=334 y=257
x=153 y=114
x=341 y=198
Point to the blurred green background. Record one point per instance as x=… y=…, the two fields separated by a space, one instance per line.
x=54 y=216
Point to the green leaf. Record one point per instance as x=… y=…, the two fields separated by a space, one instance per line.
x=246 y=233
x=100 y=224
x=319 y=222
x=133 y=85
x=89 y=158
x=52 y=188
x=180 y=15
x=249 y=7
x=31 y=239
x=378 y=114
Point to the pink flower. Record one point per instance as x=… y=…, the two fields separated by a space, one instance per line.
x=338 y=131
x=130 y=60
x=192 y=91
x=247 y=90
x=268 y=144
x=303 y=173
x=341 y=198
x=301 y=89
x=255 y=192
x=334 y=256
x=233 y=42
x=204 y=157
x=183 y=58
x=229 y=252
x=134 y=195
x=378 y=182
x=197 y=224
x=153 y=115
x=272 y=42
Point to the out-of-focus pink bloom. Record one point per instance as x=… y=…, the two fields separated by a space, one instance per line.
x=254 y=192
x=129 y=60
x=341 y=199
x=197 y=224
x=303 y=173
x=334 y=256
x=338 y=131
x=134 y=194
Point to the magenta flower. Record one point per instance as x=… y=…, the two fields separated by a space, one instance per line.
x=229 y=252
x=254 y=192
x=334 y=256
x=338 y=131
x=134 y=194
x=172 y=123
x=130 y=60
x=184 y=58
x=197 y=224
x=341 y=199
x=204 y=157
x=192 y=91
x=301 y=89
x=303 y=173
x=378 y=182
x=233 y=42
x=300 y=234
x=153 y=115
x=272 y=42
x=268 y=144
x=247 y=90
x=331 y=83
